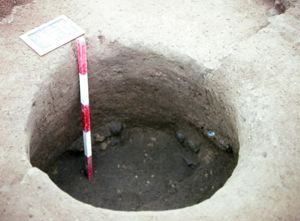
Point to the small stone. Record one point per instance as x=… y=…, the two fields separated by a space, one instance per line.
x=194 y=147
x=152 y=176
x=98 y=138
x=116 y=128
x=114 y=142
x=103 y=146
x=54 y=172
x=172 y=187
x=180 y=137
x=265 y=154
x=153 y=139
x=101 y=38
x=229 y=149
x=136 y=176
x=148 y=182
x=172 y=190
x=189 y=162
x=211 y=134
x=150 y=145
x=279 y=6
x=272 y=12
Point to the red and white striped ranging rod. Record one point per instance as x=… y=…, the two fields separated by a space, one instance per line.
x=85 y=108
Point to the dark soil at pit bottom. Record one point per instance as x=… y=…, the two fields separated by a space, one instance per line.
x=143 y=169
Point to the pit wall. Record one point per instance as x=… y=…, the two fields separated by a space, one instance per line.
x=135 y=87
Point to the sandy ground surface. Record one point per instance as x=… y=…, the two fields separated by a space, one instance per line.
x=254 y=59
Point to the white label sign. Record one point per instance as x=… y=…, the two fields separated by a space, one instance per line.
x=52 y=35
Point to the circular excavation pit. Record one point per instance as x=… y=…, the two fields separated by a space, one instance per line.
x=162 y=137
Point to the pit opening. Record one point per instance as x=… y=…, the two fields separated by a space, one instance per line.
x=163 y=137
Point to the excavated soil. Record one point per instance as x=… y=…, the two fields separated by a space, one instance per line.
x=144 y=169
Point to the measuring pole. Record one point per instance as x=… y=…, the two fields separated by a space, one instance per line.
x=85 y=108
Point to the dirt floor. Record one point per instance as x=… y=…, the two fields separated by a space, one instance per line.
x=144 y=169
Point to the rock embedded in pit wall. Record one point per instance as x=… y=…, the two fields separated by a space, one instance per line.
x=272 y=12
x=116 y=128
x=150 y=145
x=193 y=146
x=98 y=138
x=219 y=141
x=189 y=162
x=114 y=142
x=211 y=134
x=103 y=146
x=180 y=137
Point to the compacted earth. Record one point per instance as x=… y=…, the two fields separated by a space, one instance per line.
x=141 y=168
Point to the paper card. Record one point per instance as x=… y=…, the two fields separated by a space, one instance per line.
x=52 y=35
